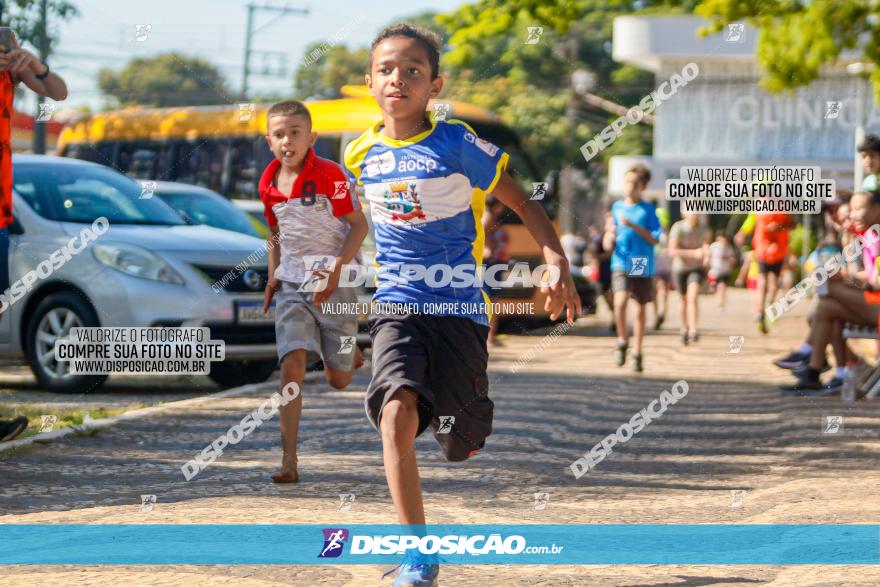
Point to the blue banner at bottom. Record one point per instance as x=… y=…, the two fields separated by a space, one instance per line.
x=570 y=544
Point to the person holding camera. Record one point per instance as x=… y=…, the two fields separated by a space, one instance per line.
x=16 y=66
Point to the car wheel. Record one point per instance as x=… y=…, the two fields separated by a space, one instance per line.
x=52 y=319
x=235 y=373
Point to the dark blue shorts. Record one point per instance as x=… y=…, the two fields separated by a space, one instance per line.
x=443 y=360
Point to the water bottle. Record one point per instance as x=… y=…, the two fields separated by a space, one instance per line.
x=848 y=393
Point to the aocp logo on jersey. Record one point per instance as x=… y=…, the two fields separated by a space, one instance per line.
x=334 y=542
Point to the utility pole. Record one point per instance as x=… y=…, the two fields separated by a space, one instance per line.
x=566 y=174
x=39 y=137
x=250 y=31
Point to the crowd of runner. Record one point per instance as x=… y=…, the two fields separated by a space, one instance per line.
x=638 y=255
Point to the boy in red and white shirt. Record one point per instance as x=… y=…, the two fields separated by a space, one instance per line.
x=317 y=220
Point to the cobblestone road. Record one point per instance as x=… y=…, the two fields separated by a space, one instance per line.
x=732 y=432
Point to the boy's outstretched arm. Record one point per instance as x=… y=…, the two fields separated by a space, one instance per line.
x=562 y=293
x=357 y=231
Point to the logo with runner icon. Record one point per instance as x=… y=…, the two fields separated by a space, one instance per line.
x=638 y=266
x=446 y=423
x=334 y=542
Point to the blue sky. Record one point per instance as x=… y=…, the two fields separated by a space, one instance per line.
x=103 y=35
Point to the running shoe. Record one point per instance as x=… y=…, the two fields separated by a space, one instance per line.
x=12 y=428
x=790 y=364
x=415 y=574
x=637 y=363
x=802 y=369
x=620 y=353
x=693 y=337
x=684 y=337
x=792 y=361
x=660 y=319
x=832 y=387
x=762 y=325
x=807 y=381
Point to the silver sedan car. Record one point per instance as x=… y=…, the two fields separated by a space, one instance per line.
x=150 y=268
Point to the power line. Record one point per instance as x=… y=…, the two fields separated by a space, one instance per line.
x=249 y=31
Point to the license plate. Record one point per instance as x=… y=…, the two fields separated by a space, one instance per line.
x=251 y=312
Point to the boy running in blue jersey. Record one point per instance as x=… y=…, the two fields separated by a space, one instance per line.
x=636 y=231
x=426 y=183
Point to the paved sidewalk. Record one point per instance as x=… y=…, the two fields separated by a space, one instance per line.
x=732 y=432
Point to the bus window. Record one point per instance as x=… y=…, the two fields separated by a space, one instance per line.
x=201 y=163
x=328 y=148
x=243 y=173
x=325 y=147
x=101 y=153
x=143 y=164
x=144 y=160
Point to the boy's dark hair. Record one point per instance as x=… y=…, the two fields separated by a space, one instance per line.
x=643 y=174
x=289 y=108
x=427 y=39
x=871 y=144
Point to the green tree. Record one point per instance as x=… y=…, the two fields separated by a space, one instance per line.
x=23 y=17
x=324 y=70
x=170 y=79
x=479 y=53
x=426 y=20
x=796 y=39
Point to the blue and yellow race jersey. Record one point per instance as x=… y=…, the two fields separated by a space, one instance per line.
x=426 y=196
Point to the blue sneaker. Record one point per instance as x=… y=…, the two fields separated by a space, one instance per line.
x=808 y=389
x=415 y=574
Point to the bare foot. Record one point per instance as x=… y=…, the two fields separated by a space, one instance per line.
x=288 y=473
x=358 y=357
x=285 y=477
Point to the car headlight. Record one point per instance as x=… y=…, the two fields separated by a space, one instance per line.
x=136 y=261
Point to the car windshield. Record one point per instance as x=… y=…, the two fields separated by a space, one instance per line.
x=211 y=210
x=82 y=193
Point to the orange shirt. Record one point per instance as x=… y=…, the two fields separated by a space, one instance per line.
x=771 y=247
x=7 y=92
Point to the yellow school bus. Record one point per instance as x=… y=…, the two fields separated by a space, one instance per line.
x=223 y=148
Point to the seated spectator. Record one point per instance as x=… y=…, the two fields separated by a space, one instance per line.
x=847 y=298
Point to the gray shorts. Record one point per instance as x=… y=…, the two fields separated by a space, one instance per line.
x=299 y=324
x=641 y=289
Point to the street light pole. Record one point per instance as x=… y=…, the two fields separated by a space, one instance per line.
x=38 y=144
x=247 y=51
x=858 y=70
x=249 y=33
x=859 y=136
x=566 y=175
